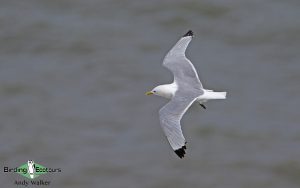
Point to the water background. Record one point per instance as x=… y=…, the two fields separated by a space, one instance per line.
x=73 y=76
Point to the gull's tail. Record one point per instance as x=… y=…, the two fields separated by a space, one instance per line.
x=209 y=94
x=220 y=95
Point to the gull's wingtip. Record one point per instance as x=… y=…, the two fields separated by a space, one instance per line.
x=189 y=33
x=181 y=151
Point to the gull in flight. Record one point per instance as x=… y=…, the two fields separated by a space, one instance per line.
x=183 y=92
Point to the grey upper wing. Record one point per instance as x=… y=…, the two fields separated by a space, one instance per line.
x=183 y=70
x=170 y=116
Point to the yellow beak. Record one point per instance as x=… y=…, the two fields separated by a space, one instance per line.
x=149 y=93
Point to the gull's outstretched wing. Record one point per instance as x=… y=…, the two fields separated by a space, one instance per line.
x=170 y=116
x=183 y=70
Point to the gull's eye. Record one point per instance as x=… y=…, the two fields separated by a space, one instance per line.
x=154 y=91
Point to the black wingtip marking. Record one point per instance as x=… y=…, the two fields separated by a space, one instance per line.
x=189 y=33
x=181 y=151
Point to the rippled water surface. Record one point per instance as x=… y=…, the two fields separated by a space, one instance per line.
x=73 y=76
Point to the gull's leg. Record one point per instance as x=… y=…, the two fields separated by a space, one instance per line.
x=202 y=105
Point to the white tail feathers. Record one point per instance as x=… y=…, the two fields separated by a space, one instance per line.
x=222 y=95
x=217 y=95
x=208 y=95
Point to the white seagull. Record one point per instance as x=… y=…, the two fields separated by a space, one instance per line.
x=183 y=92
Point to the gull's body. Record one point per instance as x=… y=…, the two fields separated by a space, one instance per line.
x=169 y=90
x=183 y=92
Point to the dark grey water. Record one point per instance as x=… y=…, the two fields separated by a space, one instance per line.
x=73 y=76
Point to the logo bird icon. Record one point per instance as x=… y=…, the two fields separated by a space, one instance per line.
x=31 y=168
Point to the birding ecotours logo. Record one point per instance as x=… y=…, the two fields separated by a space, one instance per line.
x=31 y=170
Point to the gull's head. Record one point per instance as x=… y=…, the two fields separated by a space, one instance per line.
x=166 y=91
